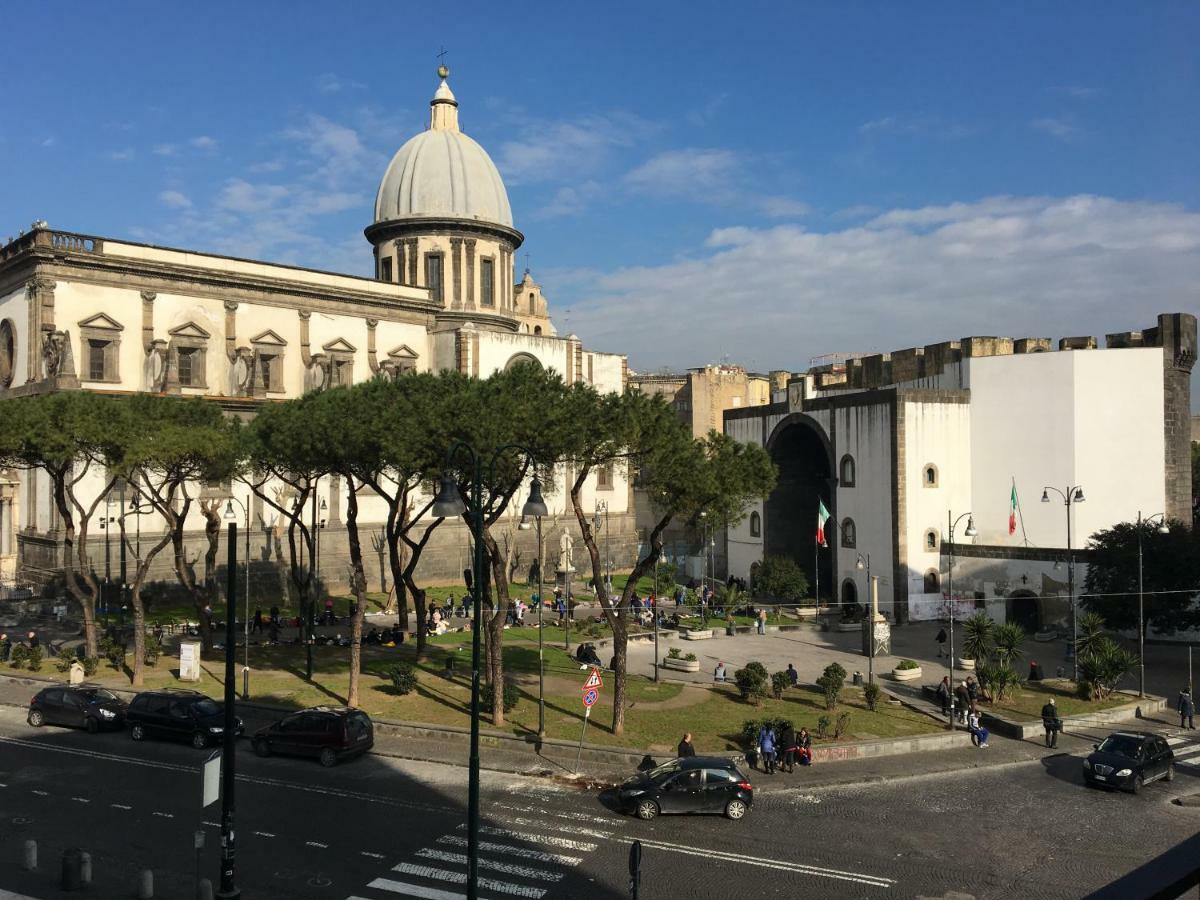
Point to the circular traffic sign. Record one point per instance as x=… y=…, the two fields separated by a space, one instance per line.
x=590 y=697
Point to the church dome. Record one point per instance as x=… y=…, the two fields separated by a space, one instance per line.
x=443 y=174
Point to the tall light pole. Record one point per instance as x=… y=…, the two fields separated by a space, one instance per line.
x=231 y=516
x=861 y=564
x=704 y=549
x=449 y=504
x=1073 y=495
x=1162 y=529
x=229 y=889
x=968 y=532
x=535 y=498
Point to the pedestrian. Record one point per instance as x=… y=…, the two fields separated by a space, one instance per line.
x=1035 y=671
x=804 y=747
x=275 y=616
x=941 y=642
x=1187 y=708
x=34 y=641
x=6 y=646
x=943 y=695
x=685 y=746
x=258 y=621
x=979 y=734
x=329 y=617
x=787 y=740
x=962 y=702
x=719 y=672
x=766 y=748
x=793 y=675
x=972 y=690
x=762 y=621
x=1051 y=722
x=561 y=607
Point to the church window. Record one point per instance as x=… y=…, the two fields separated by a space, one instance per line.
x=847 y=475
x=97 y=359
x=191 y=367
x=487 y=288
x=385 y=269
x=269 y=366
x=930 y=476
x=849 y=533
x=433 y=275
x=931 y=540
x=933 y=582
x=532 y=304
x=604 y=478
x=8 y=352
x=537 y=329
x=755 y=525
x=342 y=371
x=100 y=340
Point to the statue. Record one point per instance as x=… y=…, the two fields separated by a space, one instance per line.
x=155 y=367
x=566 y=546
x=52 y=353
x=241 y=369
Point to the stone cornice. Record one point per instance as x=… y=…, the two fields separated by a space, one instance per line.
x=451 y=319
x=462 y=228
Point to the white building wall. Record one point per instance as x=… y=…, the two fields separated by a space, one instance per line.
x=14 y=306
x=865 y=432
x=742 y=548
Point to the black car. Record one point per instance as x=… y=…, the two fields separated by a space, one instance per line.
x=190 y=715
x=1128 y=760
x=77 y=706
x=329 y=733
x=694 y=784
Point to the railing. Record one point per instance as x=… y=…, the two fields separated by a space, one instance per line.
x=63 y=241
x=78 y=243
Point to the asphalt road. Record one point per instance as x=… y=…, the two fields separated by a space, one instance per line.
x=379 y=828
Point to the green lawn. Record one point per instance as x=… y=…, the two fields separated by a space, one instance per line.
x=1027 y=703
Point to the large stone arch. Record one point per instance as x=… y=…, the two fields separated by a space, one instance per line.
x=1024 y=608
x=802 y=452
x=522 y=359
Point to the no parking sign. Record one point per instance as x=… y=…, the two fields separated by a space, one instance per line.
x=590 y=696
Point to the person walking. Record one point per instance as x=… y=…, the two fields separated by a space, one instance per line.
x=685 y=746
x=941 y=642
x=1051 y=722
x=787 y=741
x=962 y=701
x=793 y=675
x=943 y=695
x=762 y=621
x=766 y=748
x=1187 y=709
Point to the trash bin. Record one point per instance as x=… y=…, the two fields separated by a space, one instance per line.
x=858 y=678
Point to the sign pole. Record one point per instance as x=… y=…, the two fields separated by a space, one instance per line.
x=587 y=711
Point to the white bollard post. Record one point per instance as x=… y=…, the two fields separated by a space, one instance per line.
x=29 y=861
x=146 y=885
x=85 y=868
x=204 y=890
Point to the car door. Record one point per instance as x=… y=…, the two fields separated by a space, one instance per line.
x=313 y=734
x=1162 y=757
x=179 y=721
x=284 y=737
x=51 y=705
x=684 y=792
x=720 y=785
x=73 y=709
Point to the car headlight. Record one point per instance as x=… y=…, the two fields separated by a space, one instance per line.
x=216 y=729
x=1086 y=764
x=1124 y=772
x=108 y=714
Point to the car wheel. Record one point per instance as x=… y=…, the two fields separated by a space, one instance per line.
x=137 y=731
x=328 y=758
x=1136 y=787
x=647 y=810
x=735 y=809
x=262 y=748
x=1170 y=776
x=199 y=740
x=92 y=725
x=36 y=718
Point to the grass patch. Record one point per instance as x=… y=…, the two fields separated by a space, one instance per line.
x=1027 y=702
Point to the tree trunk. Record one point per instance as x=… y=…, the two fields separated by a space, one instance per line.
x=73 y=544
x=139 y=640
x=185 y=571
x=393 y=529
x=495 y=626
x=358 y=577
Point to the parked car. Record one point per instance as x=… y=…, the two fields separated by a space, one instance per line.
x=694 y=784
x=330 y=733
x=1129 y=760
x=187 y=715
x=77 y=706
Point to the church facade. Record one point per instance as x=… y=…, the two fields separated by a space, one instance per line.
x=84 y=312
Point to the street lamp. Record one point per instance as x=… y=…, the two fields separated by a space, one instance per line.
x=872 y=596
x=969 y=532
x=1162 y=529
x=536 y=506
x=229 y=889
x=231 y=516
x=1072 y=495
x=448 y=504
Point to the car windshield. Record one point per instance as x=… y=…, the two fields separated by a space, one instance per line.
x=100 y=695
x=206 y=707
x=665 y=769
x=1123 y=745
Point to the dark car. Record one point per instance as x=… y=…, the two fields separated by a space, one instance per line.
x=329 y=733
x=1128 y=760
x=694 y=784
x=77 y=706
x=187 y=715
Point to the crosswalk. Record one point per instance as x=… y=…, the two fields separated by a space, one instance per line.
x=524 y=852
x=1186 y=747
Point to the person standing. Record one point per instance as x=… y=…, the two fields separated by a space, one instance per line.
x=793 y=675
x=766 y=748
x=941 y=642
x=787 y=741
x=1051 y=722
x=1187 y=709
x=962 y=701
x=685 y=746
x=258 y=622
x=762 y=621
x=943 y=695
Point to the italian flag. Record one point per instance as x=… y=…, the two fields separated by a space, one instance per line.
x=1012 y=510
x=822 y=518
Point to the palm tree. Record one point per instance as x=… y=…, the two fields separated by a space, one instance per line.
x=1008 y=639
x=1091 y=634
x=978 y=641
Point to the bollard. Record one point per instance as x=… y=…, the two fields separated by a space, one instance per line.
x=204 y=890
x=71 y=865
x=146 y=885
x=85 y=868
x=29 y=862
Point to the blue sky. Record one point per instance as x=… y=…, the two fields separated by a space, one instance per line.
x=696 y=181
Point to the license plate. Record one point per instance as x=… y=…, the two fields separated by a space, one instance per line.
x=1100 y=777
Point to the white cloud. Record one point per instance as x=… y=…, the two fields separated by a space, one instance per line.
x=718 y=177
x=1057 y=128
x=243 y=197
x=175 y=200
x=48 y=142
x=329 y=83
x=126 y=154
x=204 y=142
x=164 y=149
x=1077 y=91
x=774 y=297
x=925 y=125
x=567 y=150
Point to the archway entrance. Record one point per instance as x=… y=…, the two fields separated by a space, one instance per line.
x=849 y=593
x=1022 y=608
x=801 y=452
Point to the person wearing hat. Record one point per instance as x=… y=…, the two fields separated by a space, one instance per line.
x=1187 y=708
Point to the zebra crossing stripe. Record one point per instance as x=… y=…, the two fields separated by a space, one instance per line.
x=452 y=840
x=576 y=816
x=547 y=840
x=488 y=884
x=552 y=826
x=494 y=865
x=1187 y=753
x=412 y=890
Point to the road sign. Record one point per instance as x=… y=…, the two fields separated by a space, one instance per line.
x=590 y=696
x=212 y=780
x=593 y=680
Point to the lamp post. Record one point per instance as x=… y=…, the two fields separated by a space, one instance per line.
x=861 y=564
x=535 y=497
x=121 y=528
x=704 y=549
x=1162 y=529
x=449 y=503
x=1073 y=495
x=106 y=590
x=654 y=612
x=970 y=531
x=231 y=516
x=229 y=889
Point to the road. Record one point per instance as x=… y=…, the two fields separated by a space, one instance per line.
x=379 y=828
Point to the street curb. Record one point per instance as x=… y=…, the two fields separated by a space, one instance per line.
x=1024 y=729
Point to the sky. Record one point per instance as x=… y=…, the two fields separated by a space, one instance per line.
x=759 y=183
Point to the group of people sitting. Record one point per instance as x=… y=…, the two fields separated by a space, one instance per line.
x=964 y=702
x=783 y=748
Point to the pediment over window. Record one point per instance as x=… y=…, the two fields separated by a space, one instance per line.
x=403 y=352
x=341 y=345
x=101 y=320
x=268 y=337
x=189 y=330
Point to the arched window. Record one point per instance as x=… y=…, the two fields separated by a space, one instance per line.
x=931 y=540
x=933 y=582
x=929 y=477
x=755 y=525
x=537 y=329
x=847 y=471
x=849 y=533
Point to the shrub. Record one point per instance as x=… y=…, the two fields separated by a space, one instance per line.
x=19 y=658
x=91 y=664
x=780 y=577
x=978 y=641
x=905 y=664
x=1103 y=667
x=673 y=653
x=779 y=684
x=66 y=656
x=690 y=657
x=153 y=649
x=509 y=697
x=823 y=724
x=1091 y=632
x=842 y=725
x=36 y=655
x=835 y=670
x=404 y=677
x=997 y=679
x=113 y=651
x=1007 y=640
x=752 y=683
x=831 y=682
x=872 y=694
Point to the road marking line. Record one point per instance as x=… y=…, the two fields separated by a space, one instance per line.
x=212 y=824
x=511 y=850
x=264 y=834
x=412 y=890
x=576 y=816
x=370 y=854
x=81 y=799
x=552 y=826
x=316 y=844
x=503 y=887
x=565 y=843
x=496 y=866
x=796 y=868
x=42 y=793
x=1187 y=753
x=119 y=806
x=164 y=815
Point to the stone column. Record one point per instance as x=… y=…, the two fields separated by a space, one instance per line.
x=401 y=274
x=456 y=263
x=412 y=262
x=470 y=242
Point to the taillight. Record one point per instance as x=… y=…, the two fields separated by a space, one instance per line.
x=745 y=786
